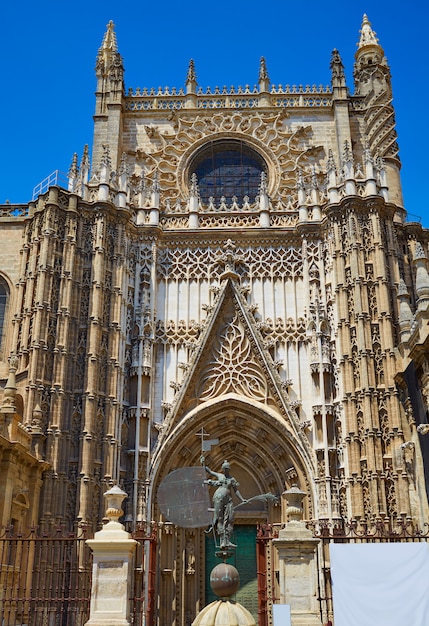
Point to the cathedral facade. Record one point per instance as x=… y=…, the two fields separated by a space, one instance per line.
x=234 y=264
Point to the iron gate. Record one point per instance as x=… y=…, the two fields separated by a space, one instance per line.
x=45 y=577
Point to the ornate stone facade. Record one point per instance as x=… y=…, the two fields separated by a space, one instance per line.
x=290 y=323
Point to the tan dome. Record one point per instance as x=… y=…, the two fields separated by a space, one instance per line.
x=224 y=613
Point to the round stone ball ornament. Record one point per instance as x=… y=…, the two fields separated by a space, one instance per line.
x=224 y=580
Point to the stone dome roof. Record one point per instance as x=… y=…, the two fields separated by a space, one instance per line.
x=224 y=613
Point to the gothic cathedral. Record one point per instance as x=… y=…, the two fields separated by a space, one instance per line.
x=231 y=263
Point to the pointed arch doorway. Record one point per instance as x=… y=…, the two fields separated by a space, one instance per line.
x=244 y=560
x=265 y=455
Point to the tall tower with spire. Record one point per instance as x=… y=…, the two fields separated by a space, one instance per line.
x=371 y=72
x=372 y=81
x=109 y=70
x=233 y=261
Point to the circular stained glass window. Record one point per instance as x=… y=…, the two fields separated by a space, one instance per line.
x=228 y=169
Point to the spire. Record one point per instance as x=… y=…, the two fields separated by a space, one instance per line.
x=84 y=164
x=338 y=79
x=73 y=173
x=110 y=94
x=263 y=79
x=109 y=46
x=191 y=78
x=109 y=39
x=109 y=62
x=78 y=176
x=84 y=169
x=367 y=35
x=371 y=71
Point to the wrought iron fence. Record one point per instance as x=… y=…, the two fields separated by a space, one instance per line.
x=378 y=531
x=45 y=577
x=143 y=598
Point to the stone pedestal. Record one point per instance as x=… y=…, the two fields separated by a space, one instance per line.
x=298 y=573
x=298 y=564
x=113 y=551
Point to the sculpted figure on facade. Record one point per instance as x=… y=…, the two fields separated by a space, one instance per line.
x=223 y=515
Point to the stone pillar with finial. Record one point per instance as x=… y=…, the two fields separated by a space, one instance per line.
x=8 y=405
x=105 y=170
x=191 y=87
x=302 y=206
x=73 y=174
x=422 y=277
x=264 y=203
x=121 y=197
x=296 y=548
x=264 y=84
x=154 y=201
x=113 y=550
x=194 y=203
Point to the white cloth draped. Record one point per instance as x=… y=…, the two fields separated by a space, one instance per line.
x=382 y=584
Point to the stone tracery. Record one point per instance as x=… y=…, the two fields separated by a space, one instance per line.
x=232 y=367
x=282 y=148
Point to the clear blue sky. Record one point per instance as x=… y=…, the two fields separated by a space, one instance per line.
x=48 y=52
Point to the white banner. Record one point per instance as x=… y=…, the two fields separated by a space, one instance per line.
x=381 y=584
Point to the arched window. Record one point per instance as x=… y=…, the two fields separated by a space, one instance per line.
x=228 y=168
x=4 y=294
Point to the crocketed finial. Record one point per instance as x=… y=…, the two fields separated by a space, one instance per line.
x=109 y=40
x=367 y=35
x=191 y=76
x=263 y=72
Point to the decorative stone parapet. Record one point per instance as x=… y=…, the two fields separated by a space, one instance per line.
x=113 y=551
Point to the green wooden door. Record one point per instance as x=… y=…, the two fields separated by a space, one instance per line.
x=245 y=562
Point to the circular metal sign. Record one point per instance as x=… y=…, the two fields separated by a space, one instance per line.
x=183 y=498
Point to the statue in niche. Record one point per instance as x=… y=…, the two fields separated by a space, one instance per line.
x=190 y=556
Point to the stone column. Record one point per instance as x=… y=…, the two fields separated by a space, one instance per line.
x=298 y=565
x=113 y=551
